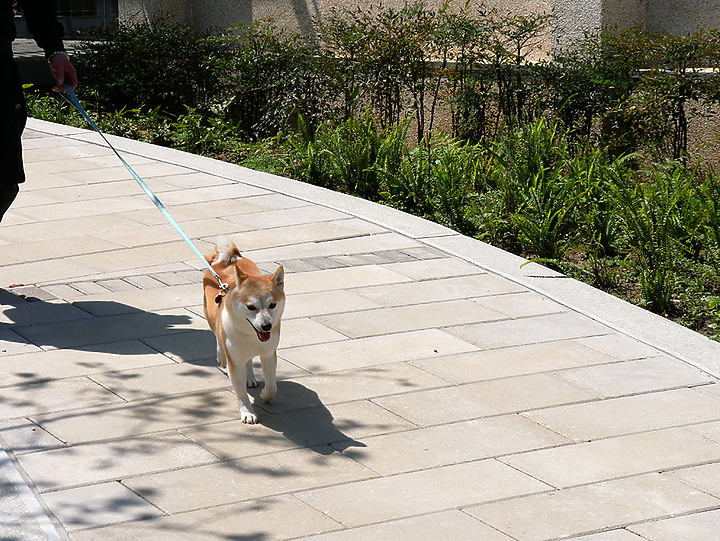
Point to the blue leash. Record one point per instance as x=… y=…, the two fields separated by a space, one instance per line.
x=72 y=99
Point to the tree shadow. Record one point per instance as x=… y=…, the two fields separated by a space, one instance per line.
x=104 y=334
x=120 y=330
x=77 y=512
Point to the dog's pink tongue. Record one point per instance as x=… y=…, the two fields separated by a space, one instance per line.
x=264 y=336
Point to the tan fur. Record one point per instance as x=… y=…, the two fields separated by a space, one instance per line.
x=246 y=322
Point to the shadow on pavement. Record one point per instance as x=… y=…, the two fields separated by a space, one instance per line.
x=300 y=415
x=115 y=329
x=100 y=326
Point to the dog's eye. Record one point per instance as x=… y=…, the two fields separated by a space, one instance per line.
x=272 y=305
x=250 y=307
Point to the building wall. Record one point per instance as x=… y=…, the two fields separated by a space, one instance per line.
x=681 y=16
x=573 y=16
x=135 y=11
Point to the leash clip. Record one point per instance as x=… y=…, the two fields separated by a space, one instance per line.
x=224 y=288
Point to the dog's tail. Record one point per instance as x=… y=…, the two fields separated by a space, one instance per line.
x=225 y=252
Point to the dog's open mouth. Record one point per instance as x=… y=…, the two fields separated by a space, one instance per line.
x=262 y=336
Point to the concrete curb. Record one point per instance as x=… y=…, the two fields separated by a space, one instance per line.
x=23 y=515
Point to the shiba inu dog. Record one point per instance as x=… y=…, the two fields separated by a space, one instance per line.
x=245 y=320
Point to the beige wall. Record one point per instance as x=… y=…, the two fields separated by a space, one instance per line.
x=681 y=16
x=132 y=11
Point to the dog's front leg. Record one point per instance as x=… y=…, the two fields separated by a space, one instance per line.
x=239 y=382
x=269 y=369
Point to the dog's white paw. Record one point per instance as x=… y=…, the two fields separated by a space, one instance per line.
x=247 y=416
x=252 y=382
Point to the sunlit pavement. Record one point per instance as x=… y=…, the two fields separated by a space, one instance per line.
x=432 y=387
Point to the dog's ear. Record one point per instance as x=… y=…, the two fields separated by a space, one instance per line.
x=240 y=276
x=278 y=277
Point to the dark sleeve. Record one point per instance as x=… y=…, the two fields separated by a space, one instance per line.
x=42 y=21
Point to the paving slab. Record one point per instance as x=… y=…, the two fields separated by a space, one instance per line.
x=427 y=491
x=104 y=461
x=93 y=424
x=591 y=508
x=622 y=456
x=429 y=385
x=514 y=361
x=626 y=415
x=248 y=478
x=98 y=505
x=53 y=395
x=65 y=363
x=374 y=350
x=277 y=517
x=409 y=318
x=635 y=377
x=425 y=448
x=686 y=528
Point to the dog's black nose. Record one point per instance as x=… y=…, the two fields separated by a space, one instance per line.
x=266 y=327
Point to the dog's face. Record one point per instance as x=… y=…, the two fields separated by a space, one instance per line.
x=260 y=300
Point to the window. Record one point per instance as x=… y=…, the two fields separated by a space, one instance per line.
x=80 y=8
x=80 y=16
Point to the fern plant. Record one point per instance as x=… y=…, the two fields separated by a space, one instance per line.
x=650 y=218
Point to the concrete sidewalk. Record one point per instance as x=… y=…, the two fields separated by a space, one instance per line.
x=431 y=386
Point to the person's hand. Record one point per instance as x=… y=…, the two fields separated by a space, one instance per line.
x=63 y=71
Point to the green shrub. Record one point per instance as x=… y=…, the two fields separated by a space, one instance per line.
x=594 y=172
x=709 y=201
x=156 y=64
x=411 y=187
x=383 y=58
x=357 y=155
x=272 y=77
x=541 y=198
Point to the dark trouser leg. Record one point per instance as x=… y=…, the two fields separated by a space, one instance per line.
x=12 y=122
x=7 y=197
